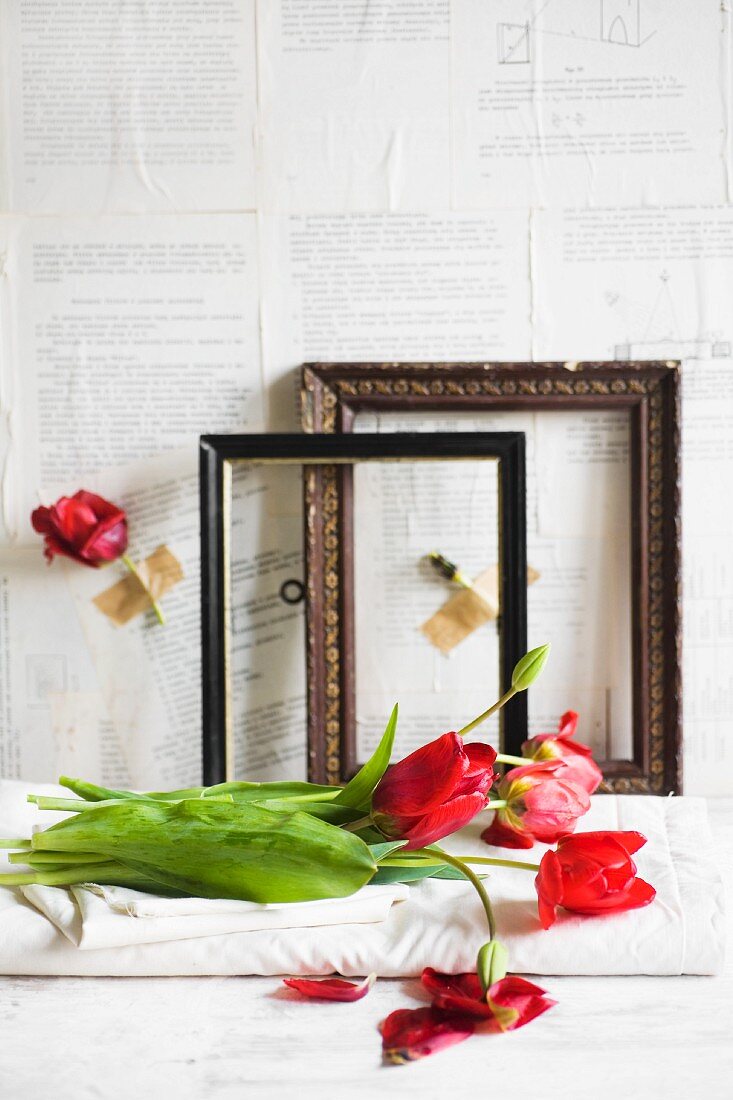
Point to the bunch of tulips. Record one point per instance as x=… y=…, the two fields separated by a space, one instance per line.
x=289 y=842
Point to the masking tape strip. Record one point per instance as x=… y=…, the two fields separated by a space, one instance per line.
x=128 y=597
x=467 y=610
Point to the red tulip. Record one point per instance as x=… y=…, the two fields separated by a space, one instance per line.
x=580 y=767
x=433 y=791
x=331 y=989
x=412 y=1033
x=84 y=527
x=508 y=1004
x=542 y=804
x=591 y=873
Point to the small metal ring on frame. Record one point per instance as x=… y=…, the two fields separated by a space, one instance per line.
x=292 y=591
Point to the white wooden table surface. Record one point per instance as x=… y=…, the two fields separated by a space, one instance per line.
x=221 y=1038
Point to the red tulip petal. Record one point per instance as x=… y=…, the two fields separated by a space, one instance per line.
x=638 y=895
x=444 y=820
x=536 y=769
x=519 y=996
x=569 y=749
x=459 y=993
x=548 y=739
x=480 y=774
x=552 y=808
x=424 y=779
x=500 y=835
x=630 y=840
x=411 y=1033
x=568 y=724
x=464 y=1006
x=603 y=849
x=511 y=986
x=460 y=985
x=480 y=755
x=619 y=878
x=549 y=887
x=331 y=989
x=581 y=770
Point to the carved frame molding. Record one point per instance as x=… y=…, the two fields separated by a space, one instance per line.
x=334 y=393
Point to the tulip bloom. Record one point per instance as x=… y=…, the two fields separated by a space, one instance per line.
x=412 y=1033
x=508 y=1004
x=433 y=791
x=580 y=767
x=592 y=873
x=541 y=804
x=331 y=989
x=85 y=527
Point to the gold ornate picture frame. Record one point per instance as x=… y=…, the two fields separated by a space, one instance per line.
x=334 y=394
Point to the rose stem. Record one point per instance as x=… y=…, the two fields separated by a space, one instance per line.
x=136 y=573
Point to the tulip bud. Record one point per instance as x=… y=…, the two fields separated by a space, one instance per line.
x=529 y=667
x=491 y=964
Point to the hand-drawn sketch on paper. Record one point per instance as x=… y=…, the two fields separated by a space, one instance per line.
x=617 y=22
x=654 y=330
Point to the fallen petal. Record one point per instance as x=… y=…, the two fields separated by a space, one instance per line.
x=331 y=989
x=412 y=1033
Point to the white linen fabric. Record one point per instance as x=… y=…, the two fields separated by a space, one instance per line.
x=441 y=924
x=93 y=917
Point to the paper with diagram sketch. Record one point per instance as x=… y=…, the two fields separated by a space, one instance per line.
x=634 y=284
x=592 y=102
x=590 y=127
x=655 y=284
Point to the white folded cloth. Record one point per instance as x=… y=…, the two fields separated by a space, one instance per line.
x=93 y=917
x=441 y=924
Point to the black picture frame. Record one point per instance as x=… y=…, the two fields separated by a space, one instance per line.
x=328 y=465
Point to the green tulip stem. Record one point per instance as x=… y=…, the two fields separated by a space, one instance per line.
x=136 y=573
x=487 y=713
x=70 y=875
x=360 y=823
x=501 y=862
x=520 y=761
x=496 y=804
x=319 y=796
x=415 y=859
x=475 y=882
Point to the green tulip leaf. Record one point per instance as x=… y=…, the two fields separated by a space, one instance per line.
x=90 y=792
x=394 y=873
x=385 y=848
x=358 y=791
x=258 y=792
x=325 y=811
x=218 y=849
